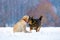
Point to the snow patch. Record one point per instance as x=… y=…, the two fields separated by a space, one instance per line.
x=46 y=33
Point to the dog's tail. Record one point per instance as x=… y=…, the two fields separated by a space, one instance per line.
x=40 y=18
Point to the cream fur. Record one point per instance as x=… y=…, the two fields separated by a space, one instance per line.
x=20 y=26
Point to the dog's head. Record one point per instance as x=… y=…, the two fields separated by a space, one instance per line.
x=30 y=20
x=34 y=22
x=25 y=18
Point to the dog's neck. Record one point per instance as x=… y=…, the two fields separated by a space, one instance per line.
x=24 y=20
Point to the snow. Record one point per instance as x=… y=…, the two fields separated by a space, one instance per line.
x=46 y=33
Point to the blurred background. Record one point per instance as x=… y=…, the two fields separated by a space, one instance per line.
x=11 y=11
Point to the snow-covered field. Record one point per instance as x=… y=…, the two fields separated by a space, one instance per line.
x=46 y=33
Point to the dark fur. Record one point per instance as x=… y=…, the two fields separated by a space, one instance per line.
x=35 y=23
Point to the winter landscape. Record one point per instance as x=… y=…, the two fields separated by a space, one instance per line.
x=11 y=11
x=46 y=33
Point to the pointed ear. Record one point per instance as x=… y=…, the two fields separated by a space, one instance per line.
x=31 y=16
x=40 y=17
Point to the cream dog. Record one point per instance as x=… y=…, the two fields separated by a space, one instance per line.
x=20 y=26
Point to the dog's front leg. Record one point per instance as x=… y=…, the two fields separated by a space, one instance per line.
x=30 y=29
x=37 y=29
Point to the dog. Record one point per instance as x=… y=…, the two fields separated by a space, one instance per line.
x=35 y=23
x=20 y=26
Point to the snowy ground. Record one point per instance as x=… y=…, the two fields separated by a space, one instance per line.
x=46 y=33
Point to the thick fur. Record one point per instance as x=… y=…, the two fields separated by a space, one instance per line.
x=20 y=26
x=35 y=23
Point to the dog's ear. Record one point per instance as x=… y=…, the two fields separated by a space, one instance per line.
x=32 y=17
x=29 y=16
x=40 y=18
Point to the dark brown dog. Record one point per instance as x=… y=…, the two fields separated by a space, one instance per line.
x=35 y=23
